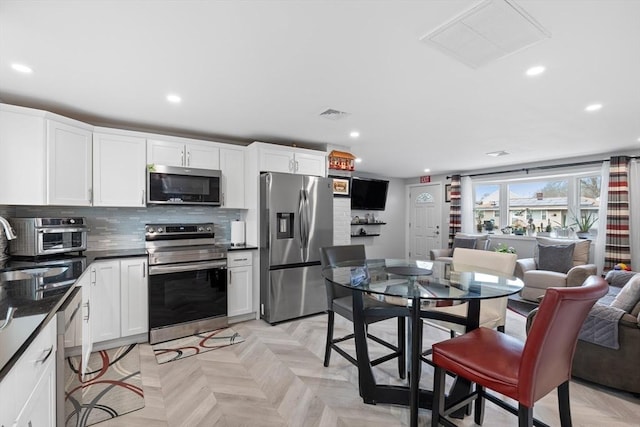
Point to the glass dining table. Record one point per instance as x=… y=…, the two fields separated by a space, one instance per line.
x=412 y=289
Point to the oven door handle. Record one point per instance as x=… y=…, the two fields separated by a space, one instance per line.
x=61 y=230
x=192 y=266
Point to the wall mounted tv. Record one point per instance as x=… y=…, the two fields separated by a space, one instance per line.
x=368 y=194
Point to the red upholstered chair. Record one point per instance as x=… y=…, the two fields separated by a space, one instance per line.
x=525 y=372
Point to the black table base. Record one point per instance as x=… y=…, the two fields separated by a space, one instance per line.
x=373 y=393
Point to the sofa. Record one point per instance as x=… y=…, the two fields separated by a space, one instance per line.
x=461 y=240
x=616 y=368
x=555 y=265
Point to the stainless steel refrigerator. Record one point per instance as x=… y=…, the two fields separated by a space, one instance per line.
x=296 y=220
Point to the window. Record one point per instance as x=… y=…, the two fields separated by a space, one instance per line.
x=539 y=204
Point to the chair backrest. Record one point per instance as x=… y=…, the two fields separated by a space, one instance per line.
x=330 y=255
x=551 y=342
x=484 y=261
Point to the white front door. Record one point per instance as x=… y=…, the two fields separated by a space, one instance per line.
x=425 y=208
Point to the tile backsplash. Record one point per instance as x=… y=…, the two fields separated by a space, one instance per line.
x=123 y=228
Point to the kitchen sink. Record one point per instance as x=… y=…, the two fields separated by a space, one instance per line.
x=31 y=273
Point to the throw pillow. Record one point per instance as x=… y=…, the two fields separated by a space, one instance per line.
x=464 y=242
x=629 y=295
x=558 y=258
x=619 y=278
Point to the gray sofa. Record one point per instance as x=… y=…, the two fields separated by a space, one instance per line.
x=616 y=368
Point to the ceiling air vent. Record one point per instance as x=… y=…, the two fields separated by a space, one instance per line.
x=332 y=114
x=489 y=31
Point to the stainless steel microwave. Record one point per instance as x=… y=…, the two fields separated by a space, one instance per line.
x=48 y=236
x=173 y=185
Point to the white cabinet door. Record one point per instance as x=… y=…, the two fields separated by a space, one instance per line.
x=119 y=174
x=232 y=167
x=193 y=154
x=105 y=300
x=239 y=283
x=167 y=153
x=22 y=158
x=40 y=409
x=202 y=156
x=69 y=165
x=87 y=333
x=239 y=292
x=310 y=164
x=134 y=297
x=276 y=160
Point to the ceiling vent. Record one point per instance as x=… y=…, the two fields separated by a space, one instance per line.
x=489 y=31
x=332 y=114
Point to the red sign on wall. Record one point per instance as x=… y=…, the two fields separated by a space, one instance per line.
x=425 y=179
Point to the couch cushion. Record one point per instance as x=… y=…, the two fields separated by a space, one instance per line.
x=629 y=295
x=580 y=253
x=558 y=258
x=464 y=242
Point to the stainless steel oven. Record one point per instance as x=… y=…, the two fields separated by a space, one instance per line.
x=48 y=236
x=187 y=280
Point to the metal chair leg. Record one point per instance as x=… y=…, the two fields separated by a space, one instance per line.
x=563 y=404
x=327 y=349
x=402 y=348
x=525 y=416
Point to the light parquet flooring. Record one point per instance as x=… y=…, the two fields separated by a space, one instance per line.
x=276 y=378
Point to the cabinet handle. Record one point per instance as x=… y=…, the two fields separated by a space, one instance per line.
x=93 y=276
x=86 y=318
x=182 y=157
x=296 y=164
x=222 y=199
x=240 y=259
x=188 y=158
x=291 y=166
x=46 y=356
x=144 y=270
x=230 y=276
x=143 y=198
x=91 y=196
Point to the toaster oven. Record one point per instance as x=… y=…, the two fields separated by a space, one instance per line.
x=48 y=236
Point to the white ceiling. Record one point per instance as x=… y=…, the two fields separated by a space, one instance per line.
x=265 y=70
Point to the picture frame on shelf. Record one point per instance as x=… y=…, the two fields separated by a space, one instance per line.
x=341 y=186
x=447 y=193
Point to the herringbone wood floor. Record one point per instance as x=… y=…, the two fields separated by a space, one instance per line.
x=276 y=378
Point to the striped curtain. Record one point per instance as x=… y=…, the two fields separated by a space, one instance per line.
x=455 y=212
x=617 y=247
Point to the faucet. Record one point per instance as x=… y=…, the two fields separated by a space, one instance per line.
x=8 y=231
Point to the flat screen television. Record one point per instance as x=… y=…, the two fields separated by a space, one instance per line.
x=368 y=194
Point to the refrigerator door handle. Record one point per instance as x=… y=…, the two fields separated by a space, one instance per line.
x=301 y=223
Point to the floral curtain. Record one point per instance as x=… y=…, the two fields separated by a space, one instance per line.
x=617 y=247
x=455 y=214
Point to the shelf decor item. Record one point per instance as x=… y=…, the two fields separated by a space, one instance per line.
x=341 y=160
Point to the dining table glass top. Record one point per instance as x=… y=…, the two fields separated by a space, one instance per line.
x=400 y=281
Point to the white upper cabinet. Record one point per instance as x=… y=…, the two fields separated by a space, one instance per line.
x=69 y=165
x=47 y=161
x=193 y=154
x=119 y=173
x=232 y=165
x=275 y=158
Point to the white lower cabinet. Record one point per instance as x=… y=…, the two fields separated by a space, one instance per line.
x=27 y=392
x=239 y=283
x=118 y=298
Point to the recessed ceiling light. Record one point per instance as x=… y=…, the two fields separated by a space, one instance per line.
x=22 y=68
x=535 y=71
x=427 y=170
x=497 y=153
x=354 y=134
x=593 y=107
x=358 y=160
x=174 y=98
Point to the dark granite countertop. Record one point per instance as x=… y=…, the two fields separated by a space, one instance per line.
x=114 y=253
